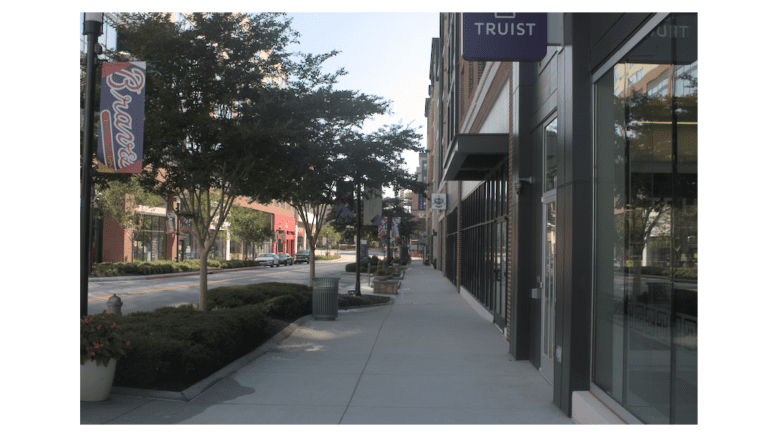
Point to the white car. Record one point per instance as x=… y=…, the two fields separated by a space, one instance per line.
x=269 y=259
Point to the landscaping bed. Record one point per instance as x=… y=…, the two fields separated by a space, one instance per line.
x=173 y=348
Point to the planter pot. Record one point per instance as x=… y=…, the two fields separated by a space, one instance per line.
x=96 y=381
x=382 y=278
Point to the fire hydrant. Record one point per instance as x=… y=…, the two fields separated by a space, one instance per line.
x=114 y=305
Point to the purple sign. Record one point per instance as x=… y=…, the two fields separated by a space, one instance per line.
x=504 y=36
x=421 y=203
x=122 y=102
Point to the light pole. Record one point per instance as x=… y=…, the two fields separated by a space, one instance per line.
x=93 y=23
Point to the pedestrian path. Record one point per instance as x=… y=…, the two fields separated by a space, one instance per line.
x=428 y=358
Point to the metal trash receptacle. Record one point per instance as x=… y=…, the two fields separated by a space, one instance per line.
x=325 y=298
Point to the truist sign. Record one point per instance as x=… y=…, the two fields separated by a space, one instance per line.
x=505 y=36
x=122 y=102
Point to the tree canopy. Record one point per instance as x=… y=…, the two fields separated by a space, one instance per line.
x=226 y=107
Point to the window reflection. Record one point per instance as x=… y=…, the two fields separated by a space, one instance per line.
x=646 y=292
x=551 y=152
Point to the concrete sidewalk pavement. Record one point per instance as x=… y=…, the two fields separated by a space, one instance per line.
x=427 y=359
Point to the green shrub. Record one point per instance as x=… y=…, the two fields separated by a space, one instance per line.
x=183 y=345
x=352 y=267
x=297 y=298
x=326 y=258
x=163 y=266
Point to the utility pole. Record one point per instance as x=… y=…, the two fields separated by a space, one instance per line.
x=93 y=23
x=357 y=288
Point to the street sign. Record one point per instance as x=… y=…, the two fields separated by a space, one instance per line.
x=505 y=36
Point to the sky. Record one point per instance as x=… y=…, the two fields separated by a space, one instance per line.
x=385 y=54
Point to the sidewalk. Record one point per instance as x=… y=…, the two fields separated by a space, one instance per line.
x=428 y=358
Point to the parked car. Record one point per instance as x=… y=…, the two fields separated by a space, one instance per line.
x=286 y=259
x=303 y=256
x=269 y=259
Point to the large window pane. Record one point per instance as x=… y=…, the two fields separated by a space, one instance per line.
x=646 y=231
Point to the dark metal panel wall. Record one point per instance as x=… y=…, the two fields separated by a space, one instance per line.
x=617 y=33
x=575 y=213
x=525 y=323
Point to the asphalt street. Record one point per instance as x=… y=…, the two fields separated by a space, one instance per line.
x=148 y=294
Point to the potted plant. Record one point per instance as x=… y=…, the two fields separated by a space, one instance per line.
x=101 y=346
x=381 y=274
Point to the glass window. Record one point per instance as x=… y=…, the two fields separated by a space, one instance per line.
x=645 y=326
x=149 y=240
x=551 y=152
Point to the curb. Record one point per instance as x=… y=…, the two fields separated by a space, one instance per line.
x=199 y=387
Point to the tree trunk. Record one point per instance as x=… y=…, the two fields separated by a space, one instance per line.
x=312 y=259
x=203 y=277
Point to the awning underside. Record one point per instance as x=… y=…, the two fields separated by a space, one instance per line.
x=473 y=156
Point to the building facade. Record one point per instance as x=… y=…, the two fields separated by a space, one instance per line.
x=571 y=206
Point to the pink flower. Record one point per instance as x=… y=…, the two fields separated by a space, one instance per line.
x=112 y=325
x=99 y=326
x=127 y=343
x=92 y=353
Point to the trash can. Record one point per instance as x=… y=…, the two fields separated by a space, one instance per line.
x=325 y=298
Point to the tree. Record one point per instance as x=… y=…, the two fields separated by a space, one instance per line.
x=340 y=153
x=215 y=116
x=249 y=226
x=330 y=233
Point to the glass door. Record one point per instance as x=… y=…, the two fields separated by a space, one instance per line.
x=548 y=286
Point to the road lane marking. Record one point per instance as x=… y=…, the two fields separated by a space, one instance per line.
x=130 y=293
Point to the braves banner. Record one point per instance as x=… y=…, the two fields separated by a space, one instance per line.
x=383 y=229
x=170 y=222
x=122 y=102
x=344 y=213
x=373 y=206
x=395 y=227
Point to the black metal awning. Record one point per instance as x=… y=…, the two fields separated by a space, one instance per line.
x=473 y=156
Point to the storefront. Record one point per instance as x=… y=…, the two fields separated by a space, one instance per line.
x=285 y=234
x=149 y=241
x=593 y=215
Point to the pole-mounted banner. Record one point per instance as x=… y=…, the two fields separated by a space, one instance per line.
x=122 y=105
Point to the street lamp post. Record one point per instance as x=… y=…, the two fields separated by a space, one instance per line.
x=93 y=23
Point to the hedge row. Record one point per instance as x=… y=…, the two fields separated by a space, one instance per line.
x=277 y=299
x=352 y=267
x=171 y=348
x=163 y=266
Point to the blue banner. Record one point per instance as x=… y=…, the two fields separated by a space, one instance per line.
x=122 y=106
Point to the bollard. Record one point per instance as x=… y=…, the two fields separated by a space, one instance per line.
x=114 y=305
